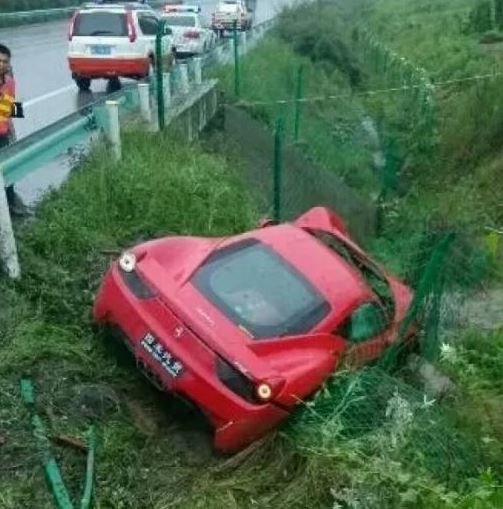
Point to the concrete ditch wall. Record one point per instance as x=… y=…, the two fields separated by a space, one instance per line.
x=304 y=184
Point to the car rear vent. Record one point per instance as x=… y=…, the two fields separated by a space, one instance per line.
x=235 y=380
x=136 y=285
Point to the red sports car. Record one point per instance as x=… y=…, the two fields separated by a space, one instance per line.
x=246 y=327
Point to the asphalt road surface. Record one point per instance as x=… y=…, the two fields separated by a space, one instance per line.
x=43 y=79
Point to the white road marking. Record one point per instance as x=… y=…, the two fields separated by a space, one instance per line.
x=49 y=95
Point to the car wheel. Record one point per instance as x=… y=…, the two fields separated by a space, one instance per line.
x=84 y=84
x=114 y=85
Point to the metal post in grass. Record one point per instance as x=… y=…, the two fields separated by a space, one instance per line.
x=144 y=96
x=198 y=75
x=8 y=250
x=161 y=31
x=298 y=97
x=277 y=169
x=184 y=79
x=114 y=130
x=237 y=83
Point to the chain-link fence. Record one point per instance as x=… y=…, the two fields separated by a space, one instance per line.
x=309 y=137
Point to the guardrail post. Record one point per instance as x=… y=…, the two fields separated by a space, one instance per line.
x=184 y=79
x=277 y=169
x=161 y=30
x=214 y=102
x=237 y=81
x=8 y=251
x=297 y=105
x=144 y=95
x=167 y=89
x=219 y=53
x=198 y=73
x=114 y=133
x=190 y=129
x=202 y=113
x=243 y=43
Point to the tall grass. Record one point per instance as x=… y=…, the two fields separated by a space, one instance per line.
x=161 y=187
x=331 y=133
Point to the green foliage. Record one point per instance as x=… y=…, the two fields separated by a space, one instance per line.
x=317 y=34
x=480 y=19
x=332 y=133
x=161 y=187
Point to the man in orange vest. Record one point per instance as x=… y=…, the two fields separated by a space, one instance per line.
x=7 y=99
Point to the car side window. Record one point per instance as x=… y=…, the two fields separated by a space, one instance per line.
x=148 y=24
x=366 y=322
x=368 y=270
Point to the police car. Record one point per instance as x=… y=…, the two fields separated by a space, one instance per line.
x=191 y=36
x=115 y=39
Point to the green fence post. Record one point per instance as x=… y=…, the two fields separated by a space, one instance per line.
x=161 y=29
x=277 y=169
x=237 y=81
x=298 y=97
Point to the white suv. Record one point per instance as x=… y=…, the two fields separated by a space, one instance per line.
x=112 y=40
x=191 y=37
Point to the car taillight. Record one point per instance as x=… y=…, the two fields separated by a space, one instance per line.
x=240 y=384
x=136 y=285
x=131 y=30
x=72 y=25
x=235 y=380
x=191 y=34
x=264 y=392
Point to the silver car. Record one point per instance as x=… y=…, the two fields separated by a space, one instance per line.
x=191 y=36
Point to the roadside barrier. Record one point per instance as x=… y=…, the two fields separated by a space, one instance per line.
x=186 y=96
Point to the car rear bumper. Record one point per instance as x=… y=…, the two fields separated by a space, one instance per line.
x=237 y=422
x=228 y=25
x=188 y=50
x=90 y=67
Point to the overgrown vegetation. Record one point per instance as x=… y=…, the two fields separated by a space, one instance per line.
x=332 y=134
x=369 y=439
x=161 y=187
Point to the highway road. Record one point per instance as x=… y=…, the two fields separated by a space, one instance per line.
x=43 y=79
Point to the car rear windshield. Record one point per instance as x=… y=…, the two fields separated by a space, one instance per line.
x=181 y=21
x=259 y=291
x=111 y=24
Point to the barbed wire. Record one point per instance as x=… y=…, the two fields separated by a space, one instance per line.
x=403 y=88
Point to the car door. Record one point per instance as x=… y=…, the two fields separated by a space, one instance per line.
x=368 y=328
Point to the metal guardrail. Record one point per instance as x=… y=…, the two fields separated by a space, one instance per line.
x=28 y=154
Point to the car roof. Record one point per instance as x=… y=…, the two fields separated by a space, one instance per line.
x=308 y=255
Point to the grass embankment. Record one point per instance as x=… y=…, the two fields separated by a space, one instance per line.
x=449 y=185
x=460 y=180
x=152 y=453
x=454 y=182
x=355 y=447
x=160 y=187
x=332 y=133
